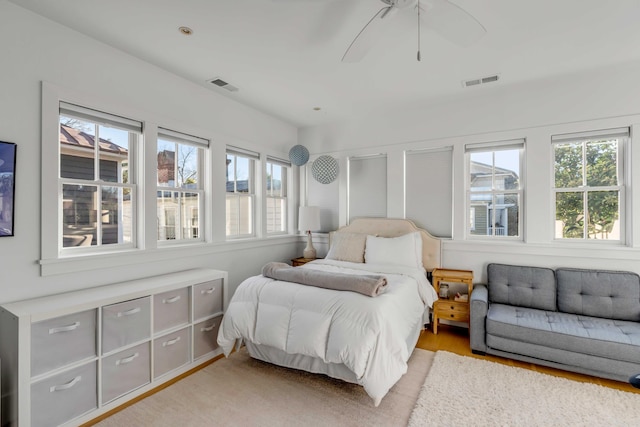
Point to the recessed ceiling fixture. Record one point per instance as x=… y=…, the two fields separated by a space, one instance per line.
x=223 y=84
x=186 y=31
x=480 y=80
x=317 y=108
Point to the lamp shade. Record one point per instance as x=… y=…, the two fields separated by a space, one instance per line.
x=309 y=218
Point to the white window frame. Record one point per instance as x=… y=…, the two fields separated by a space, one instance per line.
x=254 y=159
x=97 y=117
x=202 y=146
x=623 y=137
x=286 y=168
x=493 y=147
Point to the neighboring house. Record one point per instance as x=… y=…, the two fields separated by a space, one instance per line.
x=482 y=205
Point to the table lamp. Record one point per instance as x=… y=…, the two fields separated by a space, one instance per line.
x=309 y=220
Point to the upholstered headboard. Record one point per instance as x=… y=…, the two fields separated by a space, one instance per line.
x=394 y=227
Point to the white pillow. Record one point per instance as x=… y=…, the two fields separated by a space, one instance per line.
x=347 y=247
x=404 y=250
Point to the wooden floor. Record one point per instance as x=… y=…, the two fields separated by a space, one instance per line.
x=456 y=340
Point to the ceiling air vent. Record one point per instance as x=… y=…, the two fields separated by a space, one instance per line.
x=221 y=83
x=480 y=81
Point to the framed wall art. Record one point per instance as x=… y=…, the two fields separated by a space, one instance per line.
x=7 y=187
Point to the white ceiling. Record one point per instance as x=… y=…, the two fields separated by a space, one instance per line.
x=285 y=55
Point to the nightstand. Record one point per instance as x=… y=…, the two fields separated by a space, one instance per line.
x=301 y=261
x=449 y=308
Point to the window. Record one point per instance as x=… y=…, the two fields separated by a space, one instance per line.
x=180 y=162
x=367 y=189
x=429 y=189
x=276 y=176
x=589 y=185
x=96 y=180
x=240 y=192
x=495 y=188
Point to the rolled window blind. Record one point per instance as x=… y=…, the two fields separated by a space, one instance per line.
x=182 y=138
x=99 y=117
x=368 y=186
x=429 y=189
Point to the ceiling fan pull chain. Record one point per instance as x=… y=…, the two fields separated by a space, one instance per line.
x=418 y=30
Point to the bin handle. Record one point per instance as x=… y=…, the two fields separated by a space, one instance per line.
x=64 y=328
x=171 y=300
x=127 y=359
x=171 y=342
x=129 y=312
x=66 y=386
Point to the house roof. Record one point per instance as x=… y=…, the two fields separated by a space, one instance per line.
x=78 y=138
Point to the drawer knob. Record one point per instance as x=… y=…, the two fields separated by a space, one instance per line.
x=207 y=291
x=452 y=315
x=208 y=328
x=126 y=360
x=64 y=328
x=129 y=312
x=66 y=386
x=171 y=342
x=171 y=300
x=451 y=307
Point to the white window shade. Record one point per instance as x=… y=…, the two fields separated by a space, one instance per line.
x=182 y=138
x=429 y=189
x=368 y=186
x=99 y=117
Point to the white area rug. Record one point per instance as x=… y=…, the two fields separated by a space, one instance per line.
x=464 y=391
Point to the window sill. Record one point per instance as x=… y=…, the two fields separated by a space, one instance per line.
x=87 y=262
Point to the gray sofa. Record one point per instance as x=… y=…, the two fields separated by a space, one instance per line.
x=586 y=321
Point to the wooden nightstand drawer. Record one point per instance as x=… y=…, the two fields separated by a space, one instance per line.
x=449 y=307
x=296 y=262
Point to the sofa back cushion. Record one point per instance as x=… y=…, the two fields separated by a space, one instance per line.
x=533 y=287
x=609 y=294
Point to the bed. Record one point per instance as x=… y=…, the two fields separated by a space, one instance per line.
x=346 y=335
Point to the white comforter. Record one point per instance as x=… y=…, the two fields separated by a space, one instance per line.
x=368 y=335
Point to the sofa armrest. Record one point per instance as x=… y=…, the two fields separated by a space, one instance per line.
x=479 y=302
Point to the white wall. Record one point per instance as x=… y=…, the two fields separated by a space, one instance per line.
x=595 y=99
x=34 y=49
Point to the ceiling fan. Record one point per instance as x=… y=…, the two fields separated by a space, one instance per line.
x=444 y=17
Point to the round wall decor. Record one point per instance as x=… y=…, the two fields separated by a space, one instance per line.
x=299 y=155
x=325 y=169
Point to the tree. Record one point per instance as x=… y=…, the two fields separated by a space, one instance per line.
x=187 y=169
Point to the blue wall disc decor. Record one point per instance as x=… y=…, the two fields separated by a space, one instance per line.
x=299 y=155
x=325 y=169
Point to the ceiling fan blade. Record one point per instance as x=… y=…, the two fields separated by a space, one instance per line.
x=368 y=35
x=453 y=23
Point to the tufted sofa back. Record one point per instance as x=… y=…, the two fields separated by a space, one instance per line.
x=533 y=287
x=607 y=294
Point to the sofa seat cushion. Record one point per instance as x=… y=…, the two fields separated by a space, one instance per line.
x=614 y=339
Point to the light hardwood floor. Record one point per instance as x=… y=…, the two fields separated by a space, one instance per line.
x=456 y=340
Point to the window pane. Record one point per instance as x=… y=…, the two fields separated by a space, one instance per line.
x=231 y=174
x=187 y=166
x=77 y=156
x=190 y=203
x=570 y=215
x=568 y=165
x=276 y=218
x=115 y=216
x=480 y=214
x=507 y=170
x=604 y=214
x=243 y=173
x=602 y=163
x=275 y=183
x=166 y=163
x=505 y=215
x=79 y=215
x=481 y=171
x=168 y=205
x=239 y=208
x=114 y=154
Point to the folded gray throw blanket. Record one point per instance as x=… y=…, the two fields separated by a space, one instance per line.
x=369 y=285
